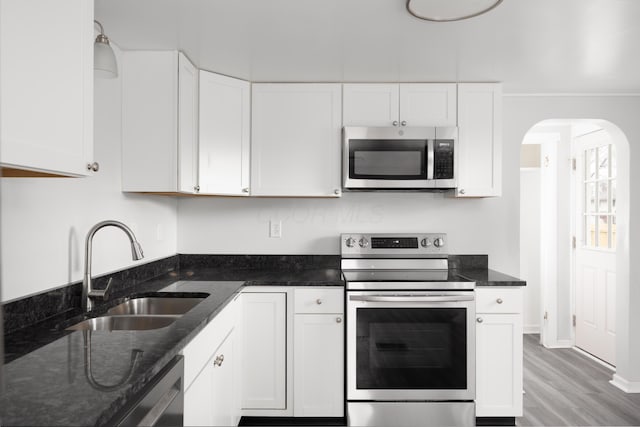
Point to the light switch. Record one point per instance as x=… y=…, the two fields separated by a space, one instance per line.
x=275 y=228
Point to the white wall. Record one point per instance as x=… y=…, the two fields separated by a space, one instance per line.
x=312 y=226
x=530 y=246
x=45 y=220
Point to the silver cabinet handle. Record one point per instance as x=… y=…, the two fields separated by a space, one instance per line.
x=499 y=301
x=404 y=123
x=395 y=123
x=338 y=319
x=196 y=188
x=245 y=190
x=479 y=320
x=408 y=298
x=336 y=191
x=461 y=191
x=318 y=301
x=218 y=361
x=95 y=166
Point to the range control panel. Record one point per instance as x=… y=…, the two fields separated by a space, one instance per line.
x=358 y=245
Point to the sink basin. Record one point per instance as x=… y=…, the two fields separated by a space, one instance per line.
x=124 y=323
x=155 y=305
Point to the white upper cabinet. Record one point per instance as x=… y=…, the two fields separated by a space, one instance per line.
x=187 y=125
x=295 y=139
x=479 y=140
x=46 y=81
x=404 y=104
x=159 y=117
x=224 y=135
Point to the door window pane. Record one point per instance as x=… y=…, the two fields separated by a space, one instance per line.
x=590 y=231
x=612 y=228
x=590 y=164
x=603 y=231
x=613 y=196
x=590 y=197
x=603 y=162
x=603 y=196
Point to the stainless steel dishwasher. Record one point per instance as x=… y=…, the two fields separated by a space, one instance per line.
x=161 y=402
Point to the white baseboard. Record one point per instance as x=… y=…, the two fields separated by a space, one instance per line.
x=595 y=359
x=561 y=344
x=531 y=329
x=624 y=385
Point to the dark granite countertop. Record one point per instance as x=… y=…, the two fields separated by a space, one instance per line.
x=45 y=374
x=45 y=380
x=487 y=277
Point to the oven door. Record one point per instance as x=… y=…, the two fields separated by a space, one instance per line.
x=411 y=345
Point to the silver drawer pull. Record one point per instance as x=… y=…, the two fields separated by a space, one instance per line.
x=374 y=298
x=338 y=319
x=499 y=300
x=318 y=301
x=479 y=320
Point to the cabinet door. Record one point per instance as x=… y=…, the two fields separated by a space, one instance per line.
x=428 y=104
x=370 y=104
x=479 y=140
x=295 y=146
x=264 y=351
x=46 y=81
x=149 y=121
x=499 y=365
x=318 y=362
x=224 y=135
x=187 y=125
x=224 y=404
x=198 y=398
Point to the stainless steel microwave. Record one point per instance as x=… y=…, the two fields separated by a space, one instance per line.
x=403 y=158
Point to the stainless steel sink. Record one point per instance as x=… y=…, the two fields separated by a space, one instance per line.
x=124 y=323
x=155 y=305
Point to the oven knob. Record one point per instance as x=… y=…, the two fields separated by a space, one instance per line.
x=350 y=242
x=425 y=242
x=363 y=243
x=439 y=242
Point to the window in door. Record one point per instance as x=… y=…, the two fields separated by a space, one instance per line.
x=599 y=207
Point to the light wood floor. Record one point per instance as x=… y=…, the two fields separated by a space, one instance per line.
x=564 y=388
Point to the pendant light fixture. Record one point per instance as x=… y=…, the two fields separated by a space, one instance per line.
x=104 y=60
x=449 y=10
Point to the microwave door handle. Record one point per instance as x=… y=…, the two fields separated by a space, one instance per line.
x=430 y=159
x=408 y=298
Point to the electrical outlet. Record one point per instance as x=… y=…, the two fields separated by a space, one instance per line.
x=275 y=229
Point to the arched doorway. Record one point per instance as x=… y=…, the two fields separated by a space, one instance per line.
x=569 y=224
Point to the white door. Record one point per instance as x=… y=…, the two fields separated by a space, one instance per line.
x=595 y=256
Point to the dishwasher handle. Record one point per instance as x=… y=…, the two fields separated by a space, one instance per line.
x=160 y=407
x=410 y=298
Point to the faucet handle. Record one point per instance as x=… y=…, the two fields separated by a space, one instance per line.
x=102 y=293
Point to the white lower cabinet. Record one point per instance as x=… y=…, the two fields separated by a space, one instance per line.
x=318 y=352
x=499 y=356
x=264 y=347
x=211 y=373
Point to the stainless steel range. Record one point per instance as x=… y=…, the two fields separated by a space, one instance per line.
x=410 y=332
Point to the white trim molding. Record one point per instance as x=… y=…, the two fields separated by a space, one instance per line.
x=560 y=344
x=624 y=385
x=531 y=329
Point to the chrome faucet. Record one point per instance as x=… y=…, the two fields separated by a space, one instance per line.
x=87 y=292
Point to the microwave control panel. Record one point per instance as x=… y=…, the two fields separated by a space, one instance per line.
x=443 y=159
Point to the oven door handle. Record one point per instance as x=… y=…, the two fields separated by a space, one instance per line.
x=409 y=298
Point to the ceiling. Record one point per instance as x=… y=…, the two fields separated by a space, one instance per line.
x=542 y=46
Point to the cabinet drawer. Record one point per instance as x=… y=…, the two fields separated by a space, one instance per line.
x=319 y=300
x=498 y=300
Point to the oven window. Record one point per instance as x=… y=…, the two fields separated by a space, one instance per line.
x=391 y=160
x=411 y=348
